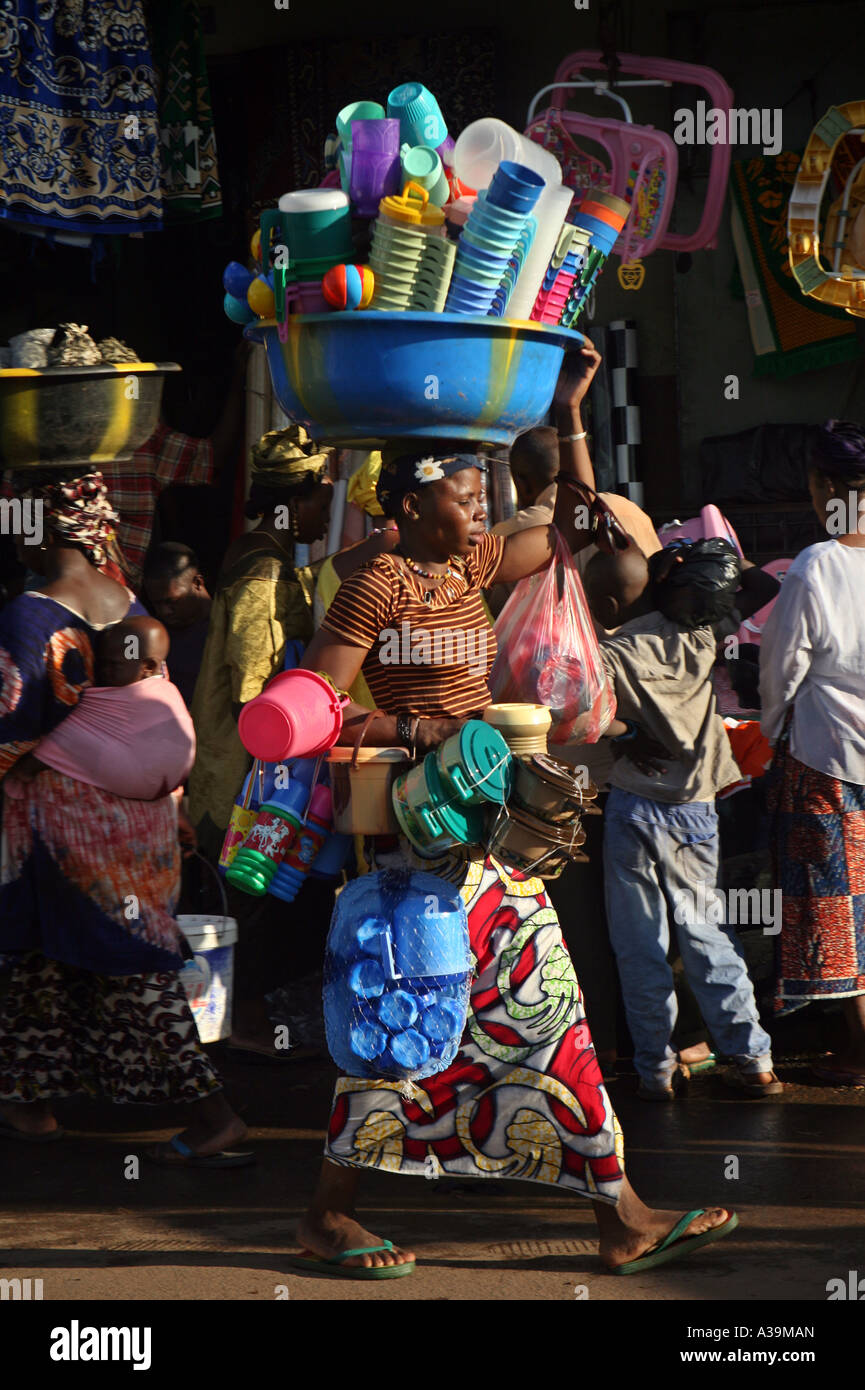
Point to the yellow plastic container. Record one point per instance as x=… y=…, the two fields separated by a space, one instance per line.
x=361 y=780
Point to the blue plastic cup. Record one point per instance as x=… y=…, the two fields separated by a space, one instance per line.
x=475 y=256
x=366 y=979
x=398 y=1010
x=457 y=305
x=472 y=291
x=409 y=1049
x=367 y=1040
x=442 y=1020
x=514 y=187
x=419 y=115
x=603 y=235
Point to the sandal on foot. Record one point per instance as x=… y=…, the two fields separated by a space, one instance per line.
x=677 y=1086
x=734 y=1076
x=335 y=1267
x=51 y=1136
x=677 y=1243
x=188 y=1158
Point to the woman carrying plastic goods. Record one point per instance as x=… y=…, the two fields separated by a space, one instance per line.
x=524 y=1098
x=90 y=1000
x=812 y=686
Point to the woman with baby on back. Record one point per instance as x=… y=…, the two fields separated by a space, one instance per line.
x=89 y=947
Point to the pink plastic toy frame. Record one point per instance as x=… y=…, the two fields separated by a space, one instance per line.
x=624 y=142
x=668 y=70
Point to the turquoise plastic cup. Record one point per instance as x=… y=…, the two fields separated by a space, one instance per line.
x=422 y=165
x=420 y=119
x=357 y=111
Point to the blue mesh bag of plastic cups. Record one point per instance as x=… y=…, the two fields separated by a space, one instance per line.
x=397 y=976
x=420 y=119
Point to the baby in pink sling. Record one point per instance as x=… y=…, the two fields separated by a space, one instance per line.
x=130 y=734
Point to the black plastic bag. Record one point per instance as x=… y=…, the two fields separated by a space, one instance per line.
x=695 y=582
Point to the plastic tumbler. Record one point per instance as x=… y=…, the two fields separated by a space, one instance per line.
x=375 y=165
x=357 y=111
x=422 y=166
x=304 y=847
x=515 y=187
x=419 y=115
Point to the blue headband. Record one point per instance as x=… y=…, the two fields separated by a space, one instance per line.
x=408 y=472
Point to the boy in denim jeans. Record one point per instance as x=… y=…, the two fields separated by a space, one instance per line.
x=661 y=830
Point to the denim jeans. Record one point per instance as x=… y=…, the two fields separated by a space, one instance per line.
x=652 y=852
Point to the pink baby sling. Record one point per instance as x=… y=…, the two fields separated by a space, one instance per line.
x=136 y=741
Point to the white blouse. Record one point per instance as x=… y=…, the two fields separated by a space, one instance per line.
x=812 y=656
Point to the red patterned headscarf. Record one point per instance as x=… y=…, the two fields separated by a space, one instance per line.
x=78 y=510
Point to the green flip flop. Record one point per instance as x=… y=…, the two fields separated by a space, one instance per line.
x=335 y=1267
x=672 y=1246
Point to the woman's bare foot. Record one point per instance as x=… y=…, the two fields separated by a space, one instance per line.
x=622 y=1248
x=328 y=1233
x=33 y=1118
x=631 y=1229
x=203 y=1143
x=700 y=1052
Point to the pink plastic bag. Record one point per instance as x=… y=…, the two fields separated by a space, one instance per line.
x=548 y=653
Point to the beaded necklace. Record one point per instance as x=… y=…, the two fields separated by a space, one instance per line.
x=441 y=587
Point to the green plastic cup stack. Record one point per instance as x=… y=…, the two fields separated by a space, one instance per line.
x=434 y=276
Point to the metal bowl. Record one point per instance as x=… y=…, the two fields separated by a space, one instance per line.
x=365 y=377
x=71 y=417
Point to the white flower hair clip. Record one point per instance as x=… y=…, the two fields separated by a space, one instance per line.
x=428 y=471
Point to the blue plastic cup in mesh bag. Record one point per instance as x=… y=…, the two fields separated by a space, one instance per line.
x=397 y=975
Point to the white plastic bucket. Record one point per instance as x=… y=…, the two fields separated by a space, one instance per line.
x=209 y=978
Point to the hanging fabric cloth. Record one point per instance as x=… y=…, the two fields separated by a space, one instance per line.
x=78 y=114
x=190 y=174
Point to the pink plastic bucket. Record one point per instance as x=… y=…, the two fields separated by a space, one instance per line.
x=297 y=715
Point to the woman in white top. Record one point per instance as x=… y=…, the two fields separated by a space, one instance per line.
x=812 y=685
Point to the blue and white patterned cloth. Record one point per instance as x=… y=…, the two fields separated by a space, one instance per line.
x=79 y=141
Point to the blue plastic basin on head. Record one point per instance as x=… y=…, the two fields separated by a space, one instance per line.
x=362 y=377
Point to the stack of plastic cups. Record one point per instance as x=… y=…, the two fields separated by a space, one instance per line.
x=306 y=846
x=561 y=277
x=603 y=216
x=405 y=228
x=478 y=152
x=490 y=236
x=434 y=276
x=514 y=268
x=276 y=826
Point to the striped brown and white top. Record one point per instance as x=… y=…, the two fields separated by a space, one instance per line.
x=431 y=659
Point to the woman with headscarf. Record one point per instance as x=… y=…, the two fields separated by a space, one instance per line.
x=90 y=1000
x=524 y=1097
x=812 y=687
x=260 y=621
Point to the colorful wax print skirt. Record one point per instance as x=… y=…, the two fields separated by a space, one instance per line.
x=66 y=1032
x=819 y=856
x=524 y=1096
x=90 y=878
